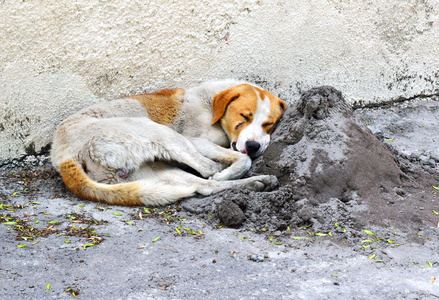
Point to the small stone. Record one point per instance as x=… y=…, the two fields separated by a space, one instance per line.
x=414 y=157
x=257 y=258
x=399 y=191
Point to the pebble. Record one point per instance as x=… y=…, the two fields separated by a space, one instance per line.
x=257 y=258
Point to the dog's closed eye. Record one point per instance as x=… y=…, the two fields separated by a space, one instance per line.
x=239 y=125
x=268 y=124
x=245 y=117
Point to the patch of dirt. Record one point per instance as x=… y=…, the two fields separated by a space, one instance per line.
x=334 y=174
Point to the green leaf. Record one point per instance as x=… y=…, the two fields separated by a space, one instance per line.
x=334 y=275
x=390 y=242
x=117 y=214
x=130 y=223
x=435 y=212
x=48 y=286
x=430 y=264
x=389 y=140
x=372 y=256
x=36 y=221
x=368 y=232
x=417 y=265
x=88 y=245
x=53 y=222
x=156 y=239
x=243 y=238
x=37 y=203
x=435 y=187
x=146 y=210
x=276 y=243
x=9 y=223
x=321 y=234
x=304 y=227
x=300 y=238
x=178 y=229
x=22 y=246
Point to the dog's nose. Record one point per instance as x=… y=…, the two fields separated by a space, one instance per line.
x=252 y=148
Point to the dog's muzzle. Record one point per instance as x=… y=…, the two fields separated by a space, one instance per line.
x=251 y=148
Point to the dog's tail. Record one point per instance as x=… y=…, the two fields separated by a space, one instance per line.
x=141 y=192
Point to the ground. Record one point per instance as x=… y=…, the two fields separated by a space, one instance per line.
x=355 y=216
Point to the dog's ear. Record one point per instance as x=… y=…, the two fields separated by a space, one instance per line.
x=283 y=106
x=220 y=102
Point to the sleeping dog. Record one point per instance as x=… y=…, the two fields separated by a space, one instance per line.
x=154 y=149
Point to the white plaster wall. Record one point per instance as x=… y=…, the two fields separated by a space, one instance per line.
x=59 y=56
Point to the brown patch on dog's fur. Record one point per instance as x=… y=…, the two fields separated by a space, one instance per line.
x=162 y=106
x=82 y=186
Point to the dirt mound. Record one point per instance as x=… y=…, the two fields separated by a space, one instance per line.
x=331 y=168
x=322 y=152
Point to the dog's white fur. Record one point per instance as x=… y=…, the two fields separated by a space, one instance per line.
x=115 y=153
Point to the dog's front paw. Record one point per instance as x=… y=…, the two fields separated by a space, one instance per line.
x=262 y=183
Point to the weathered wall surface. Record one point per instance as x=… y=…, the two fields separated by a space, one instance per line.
x=59 y=56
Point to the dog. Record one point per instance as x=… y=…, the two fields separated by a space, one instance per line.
x=155 y=149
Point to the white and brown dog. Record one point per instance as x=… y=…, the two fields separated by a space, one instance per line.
x=129 y=151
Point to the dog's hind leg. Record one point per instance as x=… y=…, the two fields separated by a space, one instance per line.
x=176 y=178
x=127 y=143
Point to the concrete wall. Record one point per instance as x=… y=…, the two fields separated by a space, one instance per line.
x=56 y=58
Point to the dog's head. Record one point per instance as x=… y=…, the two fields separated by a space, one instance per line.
x=248 y=115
